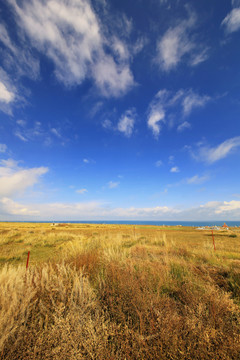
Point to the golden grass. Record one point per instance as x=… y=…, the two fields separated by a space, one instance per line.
x=118 y=292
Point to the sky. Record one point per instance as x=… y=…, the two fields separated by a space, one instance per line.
x=119 y=110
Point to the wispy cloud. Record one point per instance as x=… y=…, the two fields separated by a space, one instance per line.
x=56 y=132
x=179 y=43
x=221 y=209
x=26 y=133
x=10 y=209
x=18 y=59
x=71 y=35
x=126 y=122
x=113 y=184
x=21 y=123
x=197 y=180
x=200 y=57
x=166 y=103
x=232 y=20
x=228 y=206
x=15 y=180
x=89 y=210
x=156 y=113
x=81 y=191
x=96 y=108
x=8 y=93
x=6 y=96
x=210 y=155
x=158 y=163
x=183 y=126
x=107 y=124
x=193 y=100
x=37 y=132
x=3 y=148
x=174 y=169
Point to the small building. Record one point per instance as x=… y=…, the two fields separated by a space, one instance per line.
x=225 y=227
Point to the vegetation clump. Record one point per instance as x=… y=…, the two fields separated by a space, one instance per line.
x=89 y=296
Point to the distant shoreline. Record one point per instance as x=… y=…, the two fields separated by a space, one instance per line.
x=135 y=222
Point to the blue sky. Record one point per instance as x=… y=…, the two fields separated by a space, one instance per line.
x=116 y=110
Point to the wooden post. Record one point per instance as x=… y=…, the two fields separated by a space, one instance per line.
x=213 y=241
x=27 y=260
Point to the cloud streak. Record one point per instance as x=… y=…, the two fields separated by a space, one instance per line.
x=126 y=123
x=178 y=44
x=14 y=180
x=211 y=155
x=232 y=21
x=113 y=184
x=71 y=35
x=197 y=180
x=213 y=210
x=165 y=104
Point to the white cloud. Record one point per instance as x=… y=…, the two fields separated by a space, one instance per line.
x=178 y=43
x=220 y=209
x=8 y=93
x=120 y=49
x=141 y=213
x=81 y=191
x=155 y=117
x=107 y=124
x=85 y=211
x=113 y=184
x=21 y=123
x=139 y=45
x=200 y=57
x=6 y=96
x=86 y=161
x=165 y=104
x=15 y=180
x=3 y=148
x=96 y=108
x=212 y=154
x=213 y=210
x=158 y=163
x=112 y=79
x=20 y=136
x=196 y=179
x=71 y=35
x=183 y=126
x=18 y=59
x=32 y=133
x=126 y=123
x=10 y=207
x=8 y=165
x=156 y=113
x=232 y=20
x=174 y=169
x=193 y=100
x=56 y=133
x=228 y=206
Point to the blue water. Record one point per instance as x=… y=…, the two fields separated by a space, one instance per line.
x=152 y=223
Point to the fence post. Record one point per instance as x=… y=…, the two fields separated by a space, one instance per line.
x=27 y=260
x=213 y=241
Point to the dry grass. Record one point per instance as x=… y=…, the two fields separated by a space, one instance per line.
x=115 y=292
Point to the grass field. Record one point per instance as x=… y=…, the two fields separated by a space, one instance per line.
x=118 y=292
